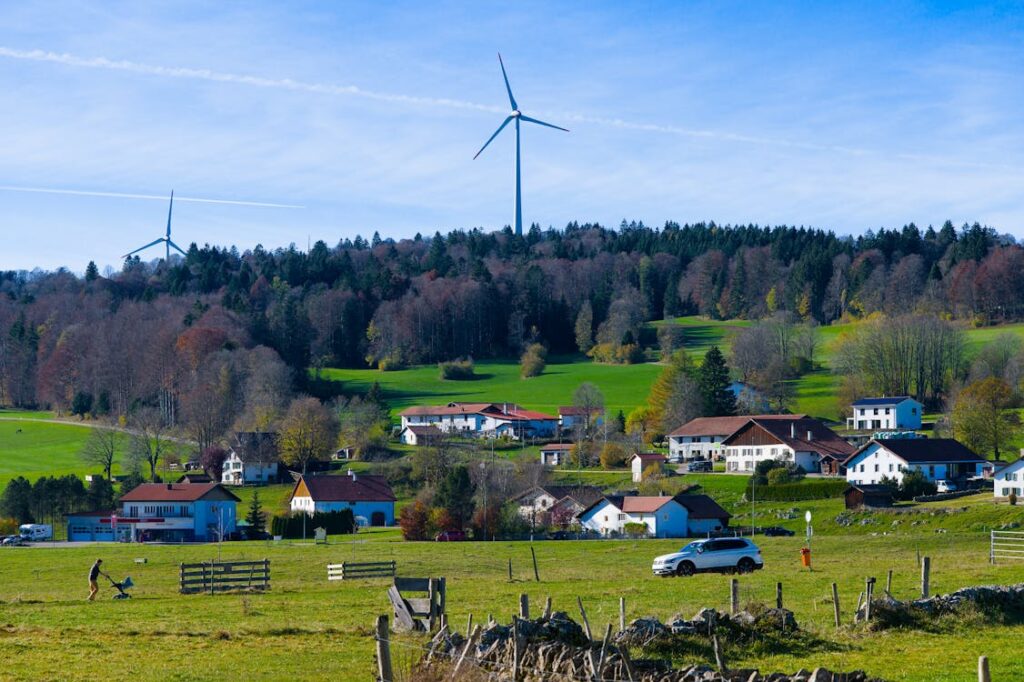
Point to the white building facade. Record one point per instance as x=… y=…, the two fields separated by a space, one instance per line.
x=1010 y=479
x=238 y=472
x=901 y=413
x=938 y=459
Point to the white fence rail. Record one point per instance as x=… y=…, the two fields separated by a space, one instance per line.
x=1006 y=544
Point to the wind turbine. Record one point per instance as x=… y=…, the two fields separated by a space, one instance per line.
x=166 y=240
x=516 y=116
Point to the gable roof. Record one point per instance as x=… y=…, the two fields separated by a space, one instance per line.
x=573 y=411
x=346 y=488
x=869 y=489
x=702 y=507
x=584 y=494
x=697 y=506
x=1012 y=466
x=424 y=430
x=648 y=457
x=877 y=402
x=508 y=411
x=923 y=450
x=556 y=447
x=177 y=492
x=793 y=433
x=724 y=426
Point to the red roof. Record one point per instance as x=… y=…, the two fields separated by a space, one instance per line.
x=725 y=426
x=347 y=488
x=507 y=411
x=550 y=447
x=643 y=505
x=649 y=457
x=793 y=433
x=176 y=492
x=572 y=410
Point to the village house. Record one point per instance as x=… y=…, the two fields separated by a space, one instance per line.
x=416 y=434
x=802 y=441
x=639 y=462
x=165 y=512
x=252 y=460
x=483 y=419
x=665 y=517
x=555 y=454
x=701 y=438
x=899 y=413
x=570 y=417
x=939 y=459
x=1010 y=479
x=555 y=505
x=368 y=496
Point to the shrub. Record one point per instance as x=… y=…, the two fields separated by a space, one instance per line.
x=414 y=520
x=533 y=361
x=652 y=472
x=457 y=370
x=779 y=476
x=391 y=363
x=582 y=454
x=612 y=455
x=915 y=484
x=617 y=354
x=1012 y=499
x=8 y=526
x=335 y=523
x=636 y=530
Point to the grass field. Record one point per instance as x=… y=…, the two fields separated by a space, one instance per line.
x=33 y=449
x=307 y=627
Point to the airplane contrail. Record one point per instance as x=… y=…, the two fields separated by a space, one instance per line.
x=68 y=59
x=124 y=195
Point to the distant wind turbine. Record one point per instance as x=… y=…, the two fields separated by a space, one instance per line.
x=166 y=240
x=517 y=116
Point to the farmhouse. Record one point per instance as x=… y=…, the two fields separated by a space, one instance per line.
x=368 y=496
x=558 y=505
x=253 y=459
x=555 y=454
x=1010 y=479
x=665 y=517
x=802 y=441
x=885 y=414
x=937 y=458
x=641 y=460
x=701 y=438
x=571 y=417
x=167 y=512
x=483 y=419
x=867 y=495
x=420 y=435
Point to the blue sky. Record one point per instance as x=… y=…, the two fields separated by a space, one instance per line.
x=841 y=116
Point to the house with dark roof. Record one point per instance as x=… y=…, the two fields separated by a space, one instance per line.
x=252 y=460
x=896 y=413
x=483 y=419
x=937 y=458
x=803 y=441
x=664 y=516
x=555 y=505
x=860 y=495
x=368 y=496
x=555 y=454
x=166 y=512
x=420 y=434
x=701 y=438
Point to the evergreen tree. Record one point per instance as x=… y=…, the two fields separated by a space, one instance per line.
x=91 y=272
x=455 y=495
x=738 y=288
x=585 y=328
x=16 y=502
x=256 y=518
x=713 y=380
x=100 y=495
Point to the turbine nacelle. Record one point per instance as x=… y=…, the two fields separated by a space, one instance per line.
x=516 y=113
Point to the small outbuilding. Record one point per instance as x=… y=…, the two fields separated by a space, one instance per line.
x=555 y=454
x=867 y=495
x=419 y=435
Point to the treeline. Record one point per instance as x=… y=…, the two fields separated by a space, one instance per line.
x=149 y=334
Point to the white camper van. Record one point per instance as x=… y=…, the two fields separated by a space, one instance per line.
x=35 y=532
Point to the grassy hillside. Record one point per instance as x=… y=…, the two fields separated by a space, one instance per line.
x=33 y=449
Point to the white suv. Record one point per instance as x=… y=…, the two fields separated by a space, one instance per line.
x=718 y=555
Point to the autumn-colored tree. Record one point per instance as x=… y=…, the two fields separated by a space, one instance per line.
x=982 y=419
x=413 y=520
x=613 y=455
x=308 y=433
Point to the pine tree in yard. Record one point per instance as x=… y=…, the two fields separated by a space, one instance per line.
x=713 y=380
x=256 y=518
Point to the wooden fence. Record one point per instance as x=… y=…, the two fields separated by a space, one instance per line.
x=1006 y=544
x=216 y=576
x=418 y=614
x=350 y=570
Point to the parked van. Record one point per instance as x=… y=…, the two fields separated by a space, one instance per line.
x=36 y=532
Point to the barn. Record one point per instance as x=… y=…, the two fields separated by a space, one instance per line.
x=867 y=495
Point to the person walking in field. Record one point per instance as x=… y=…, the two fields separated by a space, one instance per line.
x=94 y=574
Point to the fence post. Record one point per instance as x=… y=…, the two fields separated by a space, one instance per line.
x=926 y=567
x=869 y=589
x=888 y=584
x=524 y=607
x=383 y=650
x=991 y=548
x=547 y=608
x=835 y=601
x=778 y=595
x=622 y=614
x=734 y=596
x=443 y=597
x=983 y=673
x=536 y=573
x=510 y=569
x=432 y=603
x=516 y=653
x=181 y=578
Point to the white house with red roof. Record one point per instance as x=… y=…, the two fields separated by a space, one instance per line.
x=641 y=460
x=802 y=441
x=701 y=438
x=665 y=517
x=368 y=496
x=482 y=419
x=166 y=512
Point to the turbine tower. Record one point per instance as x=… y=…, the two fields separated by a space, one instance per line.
x=516 y=116
x=166 y=240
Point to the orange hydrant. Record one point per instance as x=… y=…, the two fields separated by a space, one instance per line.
x=805 y=557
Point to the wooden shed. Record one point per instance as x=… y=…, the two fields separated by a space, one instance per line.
x=864 y=495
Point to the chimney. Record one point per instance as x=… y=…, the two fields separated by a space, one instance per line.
x=792 y=429
x=170 y=486
x=352 y=474
x=810 y=436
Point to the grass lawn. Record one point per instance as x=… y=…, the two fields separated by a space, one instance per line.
x=323 y=629
x=33 y=449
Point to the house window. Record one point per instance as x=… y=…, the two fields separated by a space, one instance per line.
x=862 y=468
x=931 y=471
x=913 y=410
x=622 y=517
x=876 y=467
x=890 y=467
x=606 y=518
x=887 y=410
x=876 y=410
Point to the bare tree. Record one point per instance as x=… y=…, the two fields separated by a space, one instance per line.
x=151 y=441
x=590 y=400
x=102 y=448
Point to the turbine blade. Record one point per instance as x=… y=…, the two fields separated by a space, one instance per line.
x=500 y=128
x=541 y=123
x=177 y=248
x=511 y=99
x=143 y=248
x=169 y=209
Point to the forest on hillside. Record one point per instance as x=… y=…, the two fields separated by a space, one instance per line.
x=159 y=335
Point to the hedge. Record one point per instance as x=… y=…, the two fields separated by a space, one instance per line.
x=336 y=523
x=807 y=489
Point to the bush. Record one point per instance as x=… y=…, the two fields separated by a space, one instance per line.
x=1012 y=499
x=335 y=523
x=612 y=456
x=779 y=476
x=533 y=361
x=636 y=530
x=652 y=473
x=8 y=526
x=391 y=363
x=457 y=370
x=811 y=489
x=617 y=354
x=915 y=484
